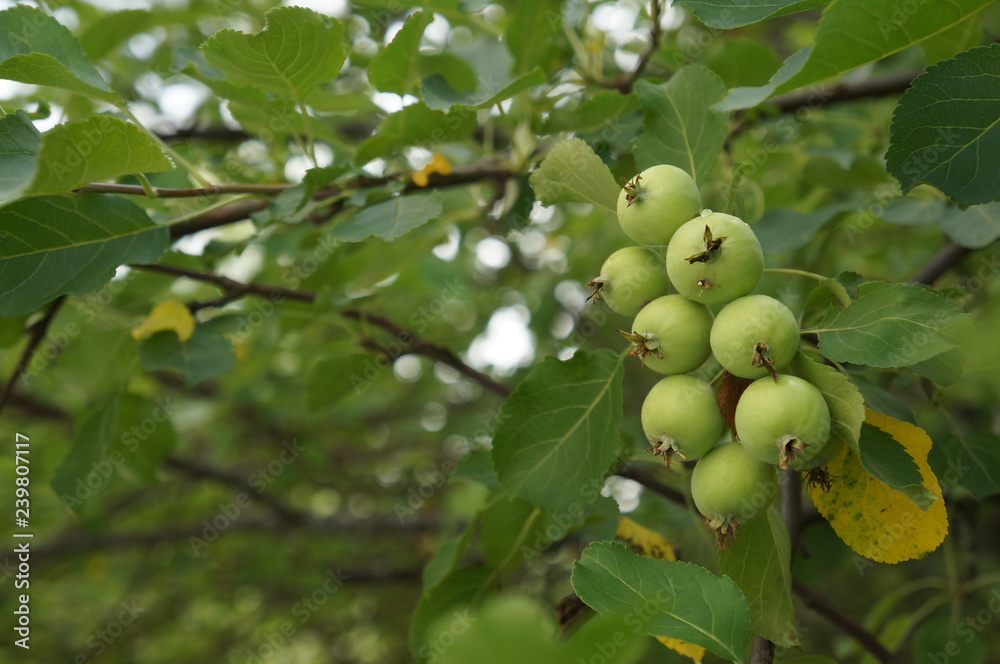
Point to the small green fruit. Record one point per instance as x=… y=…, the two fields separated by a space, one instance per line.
x=754 y=336
x=670 y=334
x=730 y=487
x=785 y=422
x=656 y=202
x=681 y=416
x=714 y=258
x=630 y=278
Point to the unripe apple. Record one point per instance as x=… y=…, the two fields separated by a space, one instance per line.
x=754 y=336
x=630 y=278
x=681 y=416
x=654 y=204
x=670 y=334
x=730 y=487
x=714 y=258
x=785 y=422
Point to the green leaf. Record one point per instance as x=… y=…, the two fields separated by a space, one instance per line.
x=111 y=30
x=847 y=407
x=914 y=212
x=558 y=433
x=759 y=562
x=851 y=281
x=416 y=124
x=535 y=35
x=946 y=368
x=518 y=213
x=89 y=468
x=476 y=466
x=515 y=628
x=782 y=229
x=726 y=14
x=145 y=436
x=891 y=325
x=960 y=37
x=19 y=143
x=680 y=129
x=458 y=590
x=297 y=50
x=509 y=528
x=748 y=97
x=447 y=557
x=592 y=114
x=677 y=600
x=205 y=355
x=95 y=149
x=438 y=93
x=390 y=219
x=456 y=70
x=931 y=641
x=12 y=330
x=945 y=130
x=52 y=245
x=743 y=62
x=882 y=401
x=973 y=461
x=271 y=117
x=975 y=227
x=35 y=48
x=316 y=179
x=338 y=375
x=572 y=172
x=886 y=459
x=394 y=69
x=855 y=32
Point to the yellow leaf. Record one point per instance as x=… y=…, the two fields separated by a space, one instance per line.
x=871 y=517
x=683 y=648
x=438 y=164
x=643 y=540
x=654 y=545
x=169 y=315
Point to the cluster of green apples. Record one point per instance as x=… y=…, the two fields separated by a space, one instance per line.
x=712 y=260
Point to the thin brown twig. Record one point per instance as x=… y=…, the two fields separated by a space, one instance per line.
x=623 y=82
x=845 y=623
x=818 y=96
x=200 y=471
x=762 y=651
x=646 y=479
x=241 y=210
x=947 y=258
x=75 y=542
x=791 y=506
x=892 y=84
x=195 y=192
x=654 y=43
x=230 y=285
x=36 y=333
x=407 y=341
x=410 y=342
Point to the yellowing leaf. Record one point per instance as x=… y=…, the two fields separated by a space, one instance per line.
x=438 y=164
x=240 y=347
x=871 y=517
x=643 y=540
x=654 y=545
x=683 y=648
x=169 y=315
